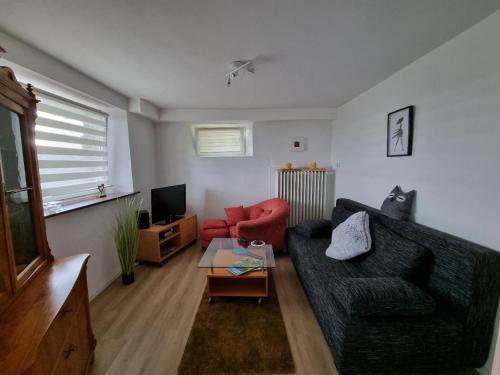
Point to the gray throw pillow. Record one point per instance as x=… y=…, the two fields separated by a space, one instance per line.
x=351 y=238
x=398 y=204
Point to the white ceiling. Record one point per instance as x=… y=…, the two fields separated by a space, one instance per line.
x=310 y=53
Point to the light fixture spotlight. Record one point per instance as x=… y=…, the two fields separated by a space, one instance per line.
x=236 y=67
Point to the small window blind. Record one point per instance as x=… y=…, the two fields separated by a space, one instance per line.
x=71 y=143
x=225 y=141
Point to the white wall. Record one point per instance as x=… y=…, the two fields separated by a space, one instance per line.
x=456 y=155
x=38 y=61
x=131 y=148
x=215 y=183
x=89 y=230
x=142 y=151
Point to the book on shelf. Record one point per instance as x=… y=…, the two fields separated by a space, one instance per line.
x=241 y=271
x=166 y=233
x=245 y=265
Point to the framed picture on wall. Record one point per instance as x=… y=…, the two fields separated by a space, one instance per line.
x=400 y=132
x=297 y=144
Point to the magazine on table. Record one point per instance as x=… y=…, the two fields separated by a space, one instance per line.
x=245 y=265
x=245 y=252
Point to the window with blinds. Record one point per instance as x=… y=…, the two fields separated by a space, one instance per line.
x=71 y=142
x=218 y=140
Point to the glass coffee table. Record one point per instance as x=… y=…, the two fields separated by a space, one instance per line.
x=237 y=271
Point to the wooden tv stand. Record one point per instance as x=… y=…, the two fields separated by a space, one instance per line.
x=157 y=244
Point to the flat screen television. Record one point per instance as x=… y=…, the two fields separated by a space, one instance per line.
x=168 y=203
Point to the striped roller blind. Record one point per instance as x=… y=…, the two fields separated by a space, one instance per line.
x=225 y=141
x=71 y=142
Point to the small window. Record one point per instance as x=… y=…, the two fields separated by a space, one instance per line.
x=223 y=140
x=71 y=142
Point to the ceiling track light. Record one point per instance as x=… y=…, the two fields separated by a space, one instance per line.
x=236 y=67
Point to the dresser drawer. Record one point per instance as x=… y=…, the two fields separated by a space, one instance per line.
x=52 y=344
x=75 y=355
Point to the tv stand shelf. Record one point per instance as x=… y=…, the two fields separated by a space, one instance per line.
x=175 y=237
x=169 y=237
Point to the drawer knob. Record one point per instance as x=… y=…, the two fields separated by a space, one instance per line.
x=71 y=348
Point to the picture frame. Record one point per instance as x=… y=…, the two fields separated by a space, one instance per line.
x=297 y=144
x=400 y=132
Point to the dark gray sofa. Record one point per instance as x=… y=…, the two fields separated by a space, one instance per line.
x=452 y=287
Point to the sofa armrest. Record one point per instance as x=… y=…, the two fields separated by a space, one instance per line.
x=270 y=229
x=314 y=228
x=381 y=296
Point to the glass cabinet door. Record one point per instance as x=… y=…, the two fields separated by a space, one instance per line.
x=17 y=190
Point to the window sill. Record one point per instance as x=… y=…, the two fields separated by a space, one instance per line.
x=89 y=202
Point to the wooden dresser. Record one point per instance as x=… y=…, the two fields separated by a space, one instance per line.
x=44 y=305
x=47 y=329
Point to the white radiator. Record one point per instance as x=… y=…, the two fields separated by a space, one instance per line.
x=308 y=192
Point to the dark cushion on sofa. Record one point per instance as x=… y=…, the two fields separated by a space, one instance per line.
x=381 y=296
x=395 y=256
x=339 y=215
x=315 y=228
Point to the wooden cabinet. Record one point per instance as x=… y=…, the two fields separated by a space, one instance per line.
x=24 y=249
x=159 y=242
x=44 y=307
x=188 y=230
x=76 y=349
x=47 y=329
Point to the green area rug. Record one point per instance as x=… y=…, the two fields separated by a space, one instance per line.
x=238 y=336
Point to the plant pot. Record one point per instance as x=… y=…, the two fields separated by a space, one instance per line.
x=127 y=279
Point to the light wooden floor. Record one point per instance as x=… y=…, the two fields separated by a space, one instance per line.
x=143 y=328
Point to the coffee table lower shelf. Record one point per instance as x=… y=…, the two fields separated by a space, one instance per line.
x=221 y=283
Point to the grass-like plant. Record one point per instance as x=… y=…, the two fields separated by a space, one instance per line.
x=127 y=235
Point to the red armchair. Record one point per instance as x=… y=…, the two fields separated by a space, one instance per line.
x=270 y=228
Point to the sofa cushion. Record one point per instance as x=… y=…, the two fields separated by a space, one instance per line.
x=351 y=238
x=314 y=228
x=339 y=215
x=345 y=208
x=214 y=224
x=235 y=215
x=254 y=212
x=381 y=296
x=393 y=255
x=310 y=253
x=398 y=204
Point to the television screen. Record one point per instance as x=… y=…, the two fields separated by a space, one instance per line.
x=168 y=203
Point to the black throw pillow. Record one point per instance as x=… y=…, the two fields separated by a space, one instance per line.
x=398 y=204
x=315 y=228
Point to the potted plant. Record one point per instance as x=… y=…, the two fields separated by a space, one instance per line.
x=127 y=238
